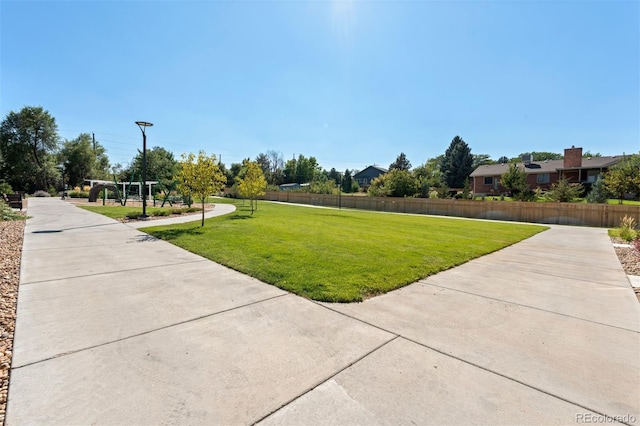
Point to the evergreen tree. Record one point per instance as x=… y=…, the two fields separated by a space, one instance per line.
x=401 y=163
x=565 y=192
x=515 y=180
x=598 y=192
x=457 y=163
x=346 y=181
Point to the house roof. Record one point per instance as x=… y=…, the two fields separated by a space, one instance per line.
x=535 y=167
x=382 y=170
x=596 y=162
x=548 y=166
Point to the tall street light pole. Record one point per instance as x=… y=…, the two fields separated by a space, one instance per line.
x=143 y=125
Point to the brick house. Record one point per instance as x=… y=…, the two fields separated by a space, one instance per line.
x=542 y=174
x=365 y=177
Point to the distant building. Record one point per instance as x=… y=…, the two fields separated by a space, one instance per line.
x=542 y=174
x=292 y=186
x=365 y=177
x=289 y=186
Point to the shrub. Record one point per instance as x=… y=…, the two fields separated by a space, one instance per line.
x=7 y=213
x=5 y=188
x=78 y=194
x=599 y=193
x=41 y=193
x=160 y=213
x=524 y=195
x=134 y=215
x=627 y=228
x=565 y=192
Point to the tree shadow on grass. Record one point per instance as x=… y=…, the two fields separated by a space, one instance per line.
x=172 y=234
x=241 y=216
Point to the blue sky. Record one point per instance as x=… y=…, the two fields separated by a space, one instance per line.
x=352 y=83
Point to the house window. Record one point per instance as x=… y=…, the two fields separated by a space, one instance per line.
x=488 y=180
x=592 y=175
x=543 y=178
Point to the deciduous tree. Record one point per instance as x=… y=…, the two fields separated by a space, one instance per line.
x=28 y=142
x=81 y=160
x=253 y=184
x=301 y=170
x=624 y=177
x=200 y=177
x=396 y=183
x=540 y=156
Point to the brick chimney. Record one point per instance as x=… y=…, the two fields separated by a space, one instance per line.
x=572 y=157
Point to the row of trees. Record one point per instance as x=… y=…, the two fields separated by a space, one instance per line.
x=33 y=157
x=434 y=177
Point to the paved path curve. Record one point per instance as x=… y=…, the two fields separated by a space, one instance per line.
x=116 y=327
x=218 y=210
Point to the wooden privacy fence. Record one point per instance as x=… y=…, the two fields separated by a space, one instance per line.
x=601 y=215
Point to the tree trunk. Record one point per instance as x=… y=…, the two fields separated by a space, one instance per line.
x=202 y=224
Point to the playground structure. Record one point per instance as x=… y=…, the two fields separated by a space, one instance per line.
x=123 y=191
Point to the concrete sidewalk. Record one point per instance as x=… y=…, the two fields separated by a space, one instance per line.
x=116 y=327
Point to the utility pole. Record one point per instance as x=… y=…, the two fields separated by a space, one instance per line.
x=94 y=142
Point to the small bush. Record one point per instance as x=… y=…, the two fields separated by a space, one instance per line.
x=7 y=213
x=41 y=193
x=565 y=192
x=134 y=215
x=598 y=193
x=160 y=213
x=5 y=188
x=627 y=228
x=524 y=195
x=78 y=194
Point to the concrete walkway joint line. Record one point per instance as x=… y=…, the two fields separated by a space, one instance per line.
x=542 y=332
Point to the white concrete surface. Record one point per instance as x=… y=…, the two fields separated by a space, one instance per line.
x=115 y=327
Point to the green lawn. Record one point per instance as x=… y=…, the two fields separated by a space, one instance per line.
x=119 y=212
x=339 y=255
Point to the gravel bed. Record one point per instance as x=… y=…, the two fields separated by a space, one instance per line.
x=629 y=259
x=11 y=236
